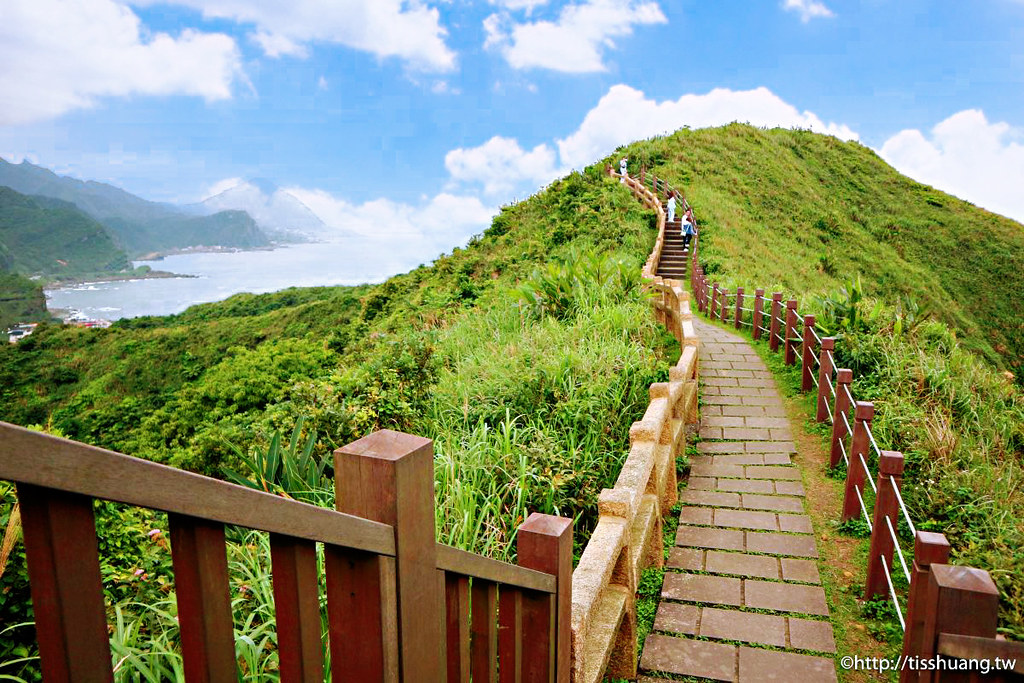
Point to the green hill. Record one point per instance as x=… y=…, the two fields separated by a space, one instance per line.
x=49 y=237
x=138 y=226
x=805 y=213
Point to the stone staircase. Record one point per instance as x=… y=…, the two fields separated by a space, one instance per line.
x=673 y=257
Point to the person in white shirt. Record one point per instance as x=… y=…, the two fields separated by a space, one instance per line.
x=688 y=229
x=623 y=170
x=672 y=207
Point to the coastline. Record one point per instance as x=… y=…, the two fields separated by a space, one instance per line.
x=160 y=255
x=115 y=277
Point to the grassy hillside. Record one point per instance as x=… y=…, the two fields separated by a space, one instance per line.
x=43 y=236
x=924 y=291
x=804 y=213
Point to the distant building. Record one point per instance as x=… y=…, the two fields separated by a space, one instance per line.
x=20 y=331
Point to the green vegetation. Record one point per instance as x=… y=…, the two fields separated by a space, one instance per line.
x=21 y=300
x=528 y=397
x=42 y=236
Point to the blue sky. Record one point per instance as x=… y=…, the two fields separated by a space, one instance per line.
x=428 y=115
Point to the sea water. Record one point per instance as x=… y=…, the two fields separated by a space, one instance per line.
x=218 y=275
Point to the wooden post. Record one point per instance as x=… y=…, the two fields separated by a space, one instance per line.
x=457 y=634
x=204 y=598
x=828 y=345
x=773 y=326
x=808 y=354
x=643 y=173
x=890 y=464
x=758 y=312
x=790 y=348
x=839 y=409
x=929 y=548
x=739 y=307
x=483 y=631
x=388 y=477
x=725 y=306
x=510 y=636
x=856 y=475
x=714 y=301
x=65 y=583
x=960 y=601
x=544 y=543
x=297 y=606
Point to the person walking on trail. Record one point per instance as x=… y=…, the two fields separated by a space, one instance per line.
x=671 y=206
x=623 y=170
x=688 y=229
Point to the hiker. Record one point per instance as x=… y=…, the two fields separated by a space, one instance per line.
x=623 y=170
x=688 y=229
x=672 y=206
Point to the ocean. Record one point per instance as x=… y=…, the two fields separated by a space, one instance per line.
x=218 y=275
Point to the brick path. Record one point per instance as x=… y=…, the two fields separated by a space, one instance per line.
x=742 y=599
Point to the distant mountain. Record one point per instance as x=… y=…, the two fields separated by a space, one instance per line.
x=139 y=226
x=161 y=234
x=275 y=210
x=51 y=237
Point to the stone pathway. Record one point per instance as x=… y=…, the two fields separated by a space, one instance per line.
x=742 y=599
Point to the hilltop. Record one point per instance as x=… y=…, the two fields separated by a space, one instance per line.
x=806 y=213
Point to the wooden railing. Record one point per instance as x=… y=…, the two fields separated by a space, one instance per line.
x=952 y=611
x=399 y=605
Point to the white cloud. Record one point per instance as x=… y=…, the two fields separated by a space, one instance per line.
x=527 y=5
x=967 y=156
x=625 y=114
x=575 y=43
x=409 y=30
x=220 y=186
x=807 y=9
x=433 y=226
x=501 y=165
x=277 y=45
x=57 y=56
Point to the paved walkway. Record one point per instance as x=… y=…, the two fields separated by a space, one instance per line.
x=742 y=599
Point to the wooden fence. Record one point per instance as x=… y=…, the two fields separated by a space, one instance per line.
x=400 y=606
x=951 y=610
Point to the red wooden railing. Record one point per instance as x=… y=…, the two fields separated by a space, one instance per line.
x=400 y=606
x=952 y=611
